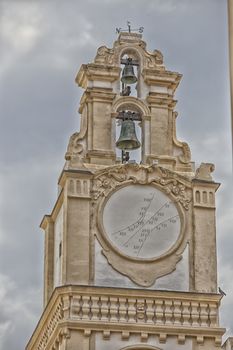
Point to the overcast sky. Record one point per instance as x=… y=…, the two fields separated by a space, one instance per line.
x=43 y=43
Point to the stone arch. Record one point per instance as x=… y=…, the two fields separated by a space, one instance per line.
x=132 y=103
x=134 y=51
x=141 y=347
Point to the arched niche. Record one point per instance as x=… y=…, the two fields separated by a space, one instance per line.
x=136 y=106
x=137 y=58
x=133 y=104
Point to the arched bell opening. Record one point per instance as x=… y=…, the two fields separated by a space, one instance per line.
x=130 y=73
x=129 y=134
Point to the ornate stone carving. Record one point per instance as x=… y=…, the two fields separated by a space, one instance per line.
x=108 y=179
x=106 y=182
x=111 y=56
x=76 y=147
x=152 y=60
x=185 y=157
x=104 y=55
x=204 y=171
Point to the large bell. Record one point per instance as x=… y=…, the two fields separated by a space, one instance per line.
x=128 y=76
x=128 y=139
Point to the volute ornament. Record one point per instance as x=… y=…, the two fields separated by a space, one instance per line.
x=204 y=171
x=104 y=55
x=76 y=146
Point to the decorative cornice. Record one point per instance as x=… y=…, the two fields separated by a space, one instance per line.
x=93 y=71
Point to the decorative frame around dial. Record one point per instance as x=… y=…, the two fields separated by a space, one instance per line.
x=141 y=270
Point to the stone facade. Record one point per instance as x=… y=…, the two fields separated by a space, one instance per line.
x=97 y=296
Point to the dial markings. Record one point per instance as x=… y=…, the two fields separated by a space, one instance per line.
x=142 y=213
x=162 y=225
x=152 y=221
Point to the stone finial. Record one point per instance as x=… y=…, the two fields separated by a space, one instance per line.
x=204 y=171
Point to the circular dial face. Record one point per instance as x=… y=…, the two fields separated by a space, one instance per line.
x=141 y=221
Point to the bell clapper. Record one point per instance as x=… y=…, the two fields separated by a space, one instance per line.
x=126 y=90
x=124 y=156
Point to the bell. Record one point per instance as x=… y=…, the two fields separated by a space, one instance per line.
x=128 y=139
x=128 y=76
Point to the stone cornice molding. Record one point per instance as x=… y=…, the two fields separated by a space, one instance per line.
x=94 y=71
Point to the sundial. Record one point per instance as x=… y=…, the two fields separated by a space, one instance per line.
x=141 y=221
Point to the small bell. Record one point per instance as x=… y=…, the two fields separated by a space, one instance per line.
x=128 y=139
x=128 y=76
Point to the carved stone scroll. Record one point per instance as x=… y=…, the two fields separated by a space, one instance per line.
x=76 y=146
x=204 y=171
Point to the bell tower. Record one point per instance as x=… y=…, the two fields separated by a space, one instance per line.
x=130 y=245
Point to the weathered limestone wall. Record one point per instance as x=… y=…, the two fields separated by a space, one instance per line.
x=76 y=255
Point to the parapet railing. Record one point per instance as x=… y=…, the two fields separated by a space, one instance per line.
x=150 y=311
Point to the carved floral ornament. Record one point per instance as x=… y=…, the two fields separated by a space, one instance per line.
x=142 y=271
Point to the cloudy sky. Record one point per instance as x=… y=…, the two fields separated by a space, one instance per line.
x=43 y=43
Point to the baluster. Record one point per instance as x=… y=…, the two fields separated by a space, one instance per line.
x=86 y=307
x=114 y=306
x=177 y=312
x=195 y=315
x=131 y=310
x=104 y=308
x=150 y=311
x=122 y=309
x=95 y=308
x=159 y=311
x=76 y=307
x=213 y=315
x=204 y=314
x=186 y=313
x=168 y=312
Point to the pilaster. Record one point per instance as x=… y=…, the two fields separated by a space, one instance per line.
x=76 y=253
x=48 y=226
x=204 y=236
